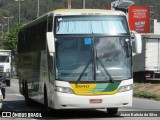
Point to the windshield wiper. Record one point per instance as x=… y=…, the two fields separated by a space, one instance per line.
x=84 y=70
x=127 y=49
x=106 y=71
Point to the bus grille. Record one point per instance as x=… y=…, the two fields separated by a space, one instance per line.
x=1 y=71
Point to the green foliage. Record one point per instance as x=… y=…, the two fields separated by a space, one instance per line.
x=9 y=40
x=29 y=10
x=142 y=90
x=142 y=94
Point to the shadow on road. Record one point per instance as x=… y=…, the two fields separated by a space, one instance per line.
x=21 y=107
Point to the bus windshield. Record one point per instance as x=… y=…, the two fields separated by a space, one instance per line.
x=99 y=58
x=112 y=25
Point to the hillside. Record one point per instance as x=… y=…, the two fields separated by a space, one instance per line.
x=29 y=8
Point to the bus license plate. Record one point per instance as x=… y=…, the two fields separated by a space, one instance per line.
x=95 y=101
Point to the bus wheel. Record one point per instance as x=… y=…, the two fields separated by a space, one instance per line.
x=23 y=88
x=112 y=111
x=27 y=99
x=46 y=100
x=3 y=90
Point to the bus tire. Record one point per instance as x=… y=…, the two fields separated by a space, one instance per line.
x=46 y=100
x=23 y=88
x=3 y=90
x=28 y=101
x=8 y=82
x=1 y=110
x=112 y=111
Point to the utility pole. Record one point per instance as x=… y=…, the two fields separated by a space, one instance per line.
x=19 y=1
x=3 y=27
x=37 y=8
x=84 y=4
x=69 y=4
x=8 y=18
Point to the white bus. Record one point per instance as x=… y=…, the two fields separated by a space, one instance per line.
x=72 y=59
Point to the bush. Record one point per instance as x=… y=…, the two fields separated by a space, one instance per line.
x=142 y=94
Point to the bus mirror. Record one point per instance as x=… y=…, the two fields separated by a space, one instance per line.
x=50 y=43
x=137 y=43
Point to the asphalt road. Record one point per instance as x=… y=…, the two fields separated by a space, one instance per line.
x=142 y=109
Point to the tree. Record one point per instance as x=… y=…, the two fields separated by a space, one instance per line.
x=9 y=40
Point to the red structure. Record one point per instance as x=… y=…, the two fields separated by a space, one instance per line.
x=139 y=18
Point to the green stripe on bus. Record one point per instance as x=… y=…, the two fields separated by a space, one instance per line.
x=106 y=87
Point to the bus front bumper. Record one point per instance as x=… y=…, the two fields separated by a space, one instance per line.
x=72 y=101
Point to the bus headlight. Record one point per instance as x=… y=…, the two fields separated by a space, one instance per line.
x=1 y=97
x=63 y=89
x=125 y=88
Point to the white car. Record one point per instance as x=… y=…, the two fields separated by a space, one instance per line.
x=1 y=101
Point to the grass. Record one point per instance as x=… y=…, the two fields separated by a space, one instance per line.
x=148 y=95
x=142 y=90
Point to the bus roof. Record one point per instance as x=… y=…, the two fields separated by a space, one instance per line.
x=65 y=12
x=87 y=12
